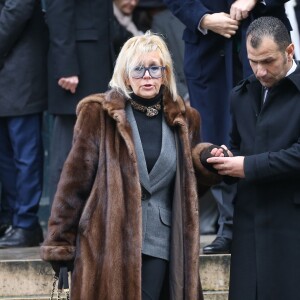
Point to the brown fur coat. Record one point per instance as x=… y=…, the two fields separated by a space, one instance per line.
x=96 y=216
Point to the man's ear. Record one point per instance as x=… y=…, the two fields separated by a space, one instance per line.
x=290 y=49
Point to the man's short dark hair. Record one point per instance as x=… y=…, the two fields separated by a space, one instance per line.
x=268 y=27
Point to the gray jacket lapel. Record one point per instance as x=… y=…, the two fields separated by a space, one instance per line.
x=166 y=163
x=143 y=171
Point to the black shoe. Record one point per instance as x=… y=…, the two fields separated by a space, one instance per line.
x=19 y=237
x=220 y=245
x=3 y=228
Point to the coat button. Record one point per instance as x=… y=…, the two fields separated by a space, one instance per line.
x=144 y=196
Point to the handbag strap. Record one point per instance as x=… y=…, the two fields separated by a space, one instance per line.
x=55 y=278
x=62 y=286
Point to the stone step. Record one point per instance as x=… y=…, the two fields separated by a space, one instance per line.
x=30 y=297
x=214 y=272
x=24 y=276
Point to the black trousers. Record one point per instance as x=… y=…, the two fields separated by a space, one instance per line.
x=61 y=142
x=154 y=278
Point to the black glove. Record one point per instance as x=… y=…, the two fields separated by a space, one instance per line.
x=205 y=154
x=56 y=265
x=63 y=280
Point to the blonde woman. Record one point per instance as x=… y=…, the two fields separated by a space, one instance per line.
x=126 y=209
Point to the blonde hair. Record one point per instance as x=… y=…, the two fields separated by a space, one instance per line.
x=131 y=55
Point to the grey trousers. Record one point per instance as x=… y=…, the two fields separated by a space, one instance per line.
x=224 y=195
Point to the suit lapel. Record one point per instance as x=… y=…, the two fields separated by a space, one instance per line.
x=143 y=171
x=255 y=92
x=167 y=157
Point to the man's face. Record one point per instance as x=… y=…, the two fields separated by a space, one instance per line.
x=126 y=6
x=268 y=63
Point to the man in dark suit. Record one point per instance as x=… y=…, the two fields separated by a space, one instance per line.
x=215 y=60
x=80 y=63
x=23 y=98
x=265 y=142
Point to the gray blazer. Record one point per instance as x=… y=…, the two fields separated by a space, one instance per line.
x=157 y=191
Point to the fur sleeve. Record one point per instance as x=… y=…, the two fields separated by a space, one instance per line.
x=74 y=187
x=194 y=125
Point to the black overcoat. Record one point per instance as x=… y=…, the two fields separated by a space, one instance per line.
x=23 y=58
x=80 y=44
x=266 y=235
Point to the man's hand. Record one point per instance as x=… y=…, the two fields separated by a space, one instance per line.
x=240 y=9
x=220 y=152
x=220 y=23
x=231 y=166
x=69 y=83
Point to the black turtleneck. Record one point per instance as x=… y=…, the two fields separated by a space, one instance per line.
x=150 y=129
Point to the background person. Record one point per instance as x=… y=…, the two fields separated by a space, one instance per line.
x=80 y=63
x=23 y=98
x=126 y=209
x=124 y=26
x=165 y=23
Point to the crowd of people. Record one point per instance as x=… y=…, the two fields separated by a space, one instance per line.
x=155 y=104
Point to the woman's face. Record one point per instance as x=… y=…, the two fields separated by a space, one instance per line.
x=126 y=6
x=147 y=86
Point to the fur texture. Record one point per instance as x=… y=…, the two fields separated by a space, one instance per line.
x=96 y=215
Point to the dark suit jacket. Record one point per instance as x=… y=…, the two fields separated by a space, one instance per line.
x=80 y=44
x=23 y=58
